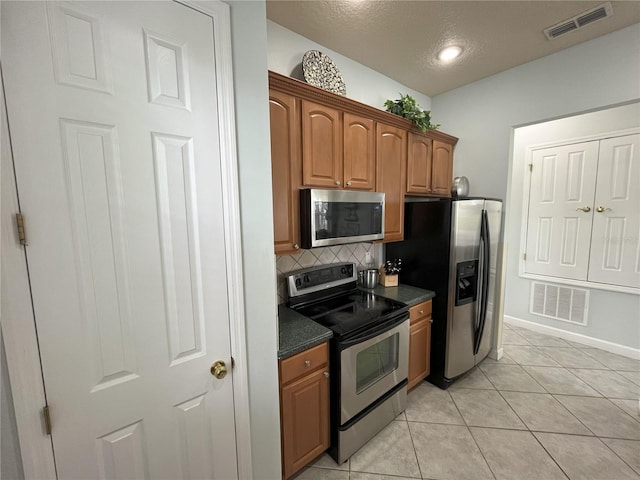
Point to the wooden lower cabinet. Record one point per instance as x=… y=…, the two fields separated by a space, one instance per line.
x=419 y=342
x=304 y=407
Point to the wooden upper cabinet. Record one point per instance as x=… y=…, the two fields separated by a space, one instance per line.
x=359 y=152
x=429 y=166
x=321 y=146
x=391 y=154
x=285 y=171
x=419 y=164
x=442 y=169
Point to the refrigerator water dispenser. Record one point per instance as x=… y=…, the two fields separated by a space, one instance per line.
x=466 y=282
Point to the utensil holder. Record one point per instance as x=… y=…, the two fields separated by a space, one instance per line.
x=388 y=280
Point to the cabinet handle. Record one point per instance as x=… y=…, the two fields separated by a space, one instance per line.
x=326 y=374
x=586 y=208
x=307 y=363
x=337 y=182
x=431 y=320
x=602 y=209
x=348 y=184
x=296 y=246
x=421 y=312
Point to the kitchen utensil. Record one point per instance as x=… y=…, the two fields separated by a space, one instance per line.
x=460 y=187
x=370 y=277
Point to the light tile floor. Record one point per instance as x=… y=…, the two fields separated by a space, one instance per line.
x=549 y=409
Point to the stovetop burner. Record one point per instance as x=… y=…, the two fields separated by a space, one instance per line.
x=349 y=313
x=328 y=295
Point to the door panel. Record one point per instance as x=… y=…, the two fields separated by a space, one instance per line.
x=494 y=217
x=359 y=152
x=115 y=134
x=465 y=244
x=615 y=248
x=391 y=148
x=321 y=146
x=563 y=183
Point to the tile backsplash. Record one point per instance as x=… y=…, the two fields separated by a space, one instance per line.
x=355 y=252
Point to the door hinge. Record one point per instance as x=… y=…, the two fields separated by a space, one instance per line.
x=531 y=167
x=233 y=362
x=47 y=419
x=524 y=256
x=22 y=236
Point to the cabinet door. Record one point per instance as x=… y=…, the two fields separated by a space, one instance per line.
x=321 y=146
x=419 y=164
x=391 y=155
x=285 y=171
x=615 y=255
x=359 y=152
x=442 y=168
x=419 y=351
x=305 y=420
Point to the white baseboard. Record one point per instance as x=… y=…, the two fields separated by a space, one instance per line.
x=496 y=353
x=575 y=337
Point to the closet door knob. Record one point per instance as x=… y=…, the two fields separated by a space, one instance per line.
x=602 y=209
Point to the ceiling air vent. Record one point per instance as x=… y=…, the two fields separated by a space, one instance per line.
x=603 y=11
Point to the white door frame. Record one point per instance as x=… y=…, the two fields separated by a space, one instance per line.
x=21 y=343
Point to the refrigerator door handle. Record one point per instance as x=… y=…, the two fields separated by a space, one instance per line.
x=484 y=294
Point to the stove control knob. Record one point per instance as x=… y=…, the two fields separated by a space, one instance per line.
x=306 y=279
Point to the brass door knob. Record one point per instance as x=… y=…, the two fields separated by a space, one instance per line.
x=585 y=208
x=219 y=370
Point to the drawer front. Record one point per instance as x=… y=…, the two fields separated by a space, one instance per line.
x=420 y=311
x=303 y=363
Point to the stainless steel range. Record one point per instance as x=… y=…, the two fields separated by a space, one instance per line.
x=369 y=353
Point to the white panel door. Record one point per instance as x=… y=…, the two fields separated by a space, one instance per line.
x=560 y=210
x=113 y=114
x=615 y=246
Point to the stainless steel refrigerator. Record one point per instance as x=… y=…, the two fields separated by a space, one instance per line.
x=451 y=247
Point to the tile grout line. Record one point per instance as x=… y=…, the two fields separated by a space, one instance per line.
x=470 y=433
x=413 y=444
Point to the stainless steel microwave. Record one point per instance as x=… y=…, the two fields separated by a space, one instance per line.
x=335 y=217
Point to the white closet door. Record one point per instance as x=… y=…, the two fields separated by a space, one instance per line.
x=615 y=249
x=560 y=210
x=113 y=109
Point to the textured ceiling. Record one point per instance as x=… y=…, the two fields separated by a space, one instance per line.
x=401 y=39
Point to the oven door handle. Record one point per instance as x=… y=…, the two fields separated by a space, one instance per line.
x=377 y=330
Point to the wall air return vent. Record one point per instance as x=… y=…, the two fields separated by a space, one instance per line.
x=559 y=302
x=585 y=18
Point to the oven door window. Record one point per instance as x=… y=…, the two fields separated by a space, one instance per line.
x=376 y=361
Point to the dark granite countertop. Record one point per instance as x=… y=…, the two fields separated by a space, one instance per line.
x=298 y=333
x=404 y=293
